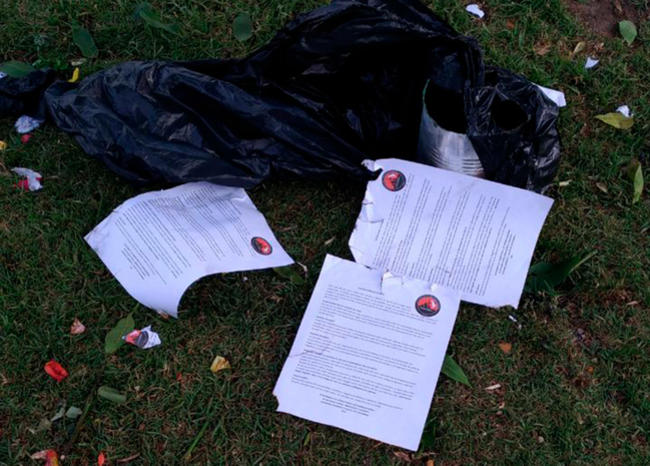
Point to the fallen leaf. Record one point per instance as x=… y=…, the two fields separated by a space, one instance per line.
x=542 y=48
x=16 y=69
x=505 y=347
x=544 y=276
x=77 y=328
x=602 y=187
x=3 y=145
x=430 y=463
x=580 y=46
x=82 y=38
x=329 y=241
x=55 y=370
x=617 y=120
x=510 y=24
x=242 y=27
x=60 y=413
x=146 y=13
x=113 y=340
x=628 y=31
x=452 y=370
x=496 y=386
x=220 y=363
x=290 y=273
x=563 y=184
x=618 y=6
x=73 y=412
x=111 y=394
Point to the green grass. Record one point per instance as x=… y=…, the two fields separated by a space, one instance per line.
x=574 y=388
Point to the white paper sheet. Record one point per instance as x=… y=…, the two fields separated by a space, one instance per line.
x=368 y=353
x=157 y=244
x=464 y=233
x=553 y=94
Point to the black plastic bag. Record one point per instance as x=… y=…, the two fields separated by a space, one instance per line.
x=337 y=85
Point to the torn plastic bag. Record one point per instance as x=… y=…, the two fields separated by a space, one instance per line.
x=338 y=85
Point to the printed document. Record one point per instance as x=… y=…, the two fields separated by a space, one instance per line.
x=368 y=353
x=461 y=232
x=157 y=244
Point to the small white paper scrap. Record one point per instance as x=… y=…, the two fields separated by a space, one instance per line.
x=461 y=232
x=553 y=94
x=25 y=124
x=591 y=62
x=474 y=9
x=625 y=111
x=157 y=244
x=3 y=75
x=368 y=353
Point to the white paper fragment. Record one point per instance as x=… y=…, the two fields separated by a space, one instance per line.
x=625 y=111
x=553 y=94
x=143 y=339
x=461 y=232
x=591 y=62
x=368 y=353
x=32 y=180
x=474 y=9
x=3 y=75
x=157 y=244
x=26 y=124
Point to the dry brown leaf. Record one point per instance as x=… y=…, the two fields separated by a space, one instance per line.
x=580 y=46
x=430 y=463
x=77 y=328
x=510 y=24
x=505 y=347
x=618 y=6
x=542 y=48
x=602 y=187
x=220 y=363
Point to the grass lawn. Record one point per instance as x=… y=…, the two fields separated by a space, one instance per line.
x=574 y=388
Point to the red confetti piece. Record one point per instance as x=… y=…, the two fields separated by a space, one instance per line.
x=101 y=459
x=25 y=138
x=55 y=370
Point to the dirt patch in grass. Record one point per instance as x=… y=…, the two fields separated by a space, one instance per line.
x=603 y=16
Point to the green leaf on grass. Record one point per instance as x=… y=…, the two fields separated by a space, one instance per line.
x=16 y=69
x=290 y=273
x=84 y=41
x=617 y=120
x=111 y=394
x=114 y=339
x=452 y=370
x=73 y=412
x=638 y=184
x=628 y=31
x=545 y=277
x=147 y=13
x=242 y=27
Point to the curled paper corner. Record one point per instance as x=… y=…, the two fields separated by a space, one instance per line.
x=591 y=62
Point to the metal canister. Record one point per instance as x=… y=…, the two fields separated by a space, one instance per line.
x=443 y=148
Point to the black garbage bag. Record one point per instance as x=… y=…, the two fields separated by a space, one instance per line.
x=339 y=84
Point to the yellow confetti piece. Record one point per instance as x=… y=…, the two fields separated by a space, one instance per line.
x=75 y=76
x=220 y=363
x=3 y=145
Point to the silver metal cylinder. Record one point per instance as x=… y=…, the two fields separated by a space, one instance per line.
x=446 y=149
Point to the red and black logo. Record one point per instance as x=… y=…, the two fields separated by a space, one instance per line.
x=261 y=246
x=393 y=180
x=427 y=305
